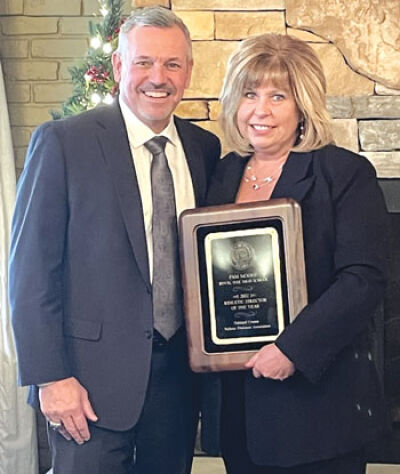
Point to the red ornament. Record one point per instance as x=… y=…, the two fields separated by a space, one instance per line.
x=119 y=27
x=99 y=75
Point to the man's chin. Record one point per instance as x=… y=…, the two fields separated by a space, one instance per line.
x=156 y=122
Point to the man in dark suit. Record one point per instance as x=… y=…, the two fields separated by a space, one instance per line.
x=90 y=278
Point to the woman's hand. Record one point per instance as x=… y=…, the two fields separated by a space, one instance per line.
x=272 y=363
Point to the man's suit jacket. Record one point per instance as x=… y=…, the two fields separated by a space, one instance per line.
x=80 y=292
x=333 y=403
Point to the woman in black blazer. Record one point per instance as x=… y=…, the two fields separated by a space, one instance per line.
x=311 y=401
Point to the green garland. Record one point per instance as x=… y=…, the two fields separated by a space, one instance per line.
x=93 y=79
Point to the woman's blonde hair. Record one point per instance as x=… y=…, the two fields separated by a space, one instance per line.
x=283 y=61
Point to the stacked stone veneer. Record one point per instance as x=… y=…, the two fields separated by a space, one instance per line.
x=41 y=39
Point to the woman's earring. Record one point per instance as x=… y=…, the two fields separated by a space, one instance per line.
x=301 y=130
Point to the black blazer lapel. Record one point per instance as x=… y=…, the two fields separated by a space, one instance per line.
x=113 y=139
x=295 y=181
x=194 y=158
x=225 y=181
x=297 y=177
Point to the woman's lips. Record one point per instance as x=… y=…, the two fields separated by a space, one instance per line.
x=260 y=127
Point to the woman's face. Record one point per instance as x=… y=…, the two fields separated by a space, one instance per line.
x=268 y=117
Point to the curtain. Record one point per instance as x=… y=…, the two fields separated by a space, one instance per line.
x=18 y=444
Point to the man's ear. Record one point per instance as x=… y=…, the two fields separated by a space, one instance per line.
x=189 y=73
x=117 y=65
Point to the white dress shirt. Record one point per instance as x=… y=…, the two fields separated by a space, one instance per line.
x=138 y=135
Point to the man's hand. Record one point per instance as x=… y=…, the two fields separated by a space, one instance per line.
x=66 y=401
x=272 y=363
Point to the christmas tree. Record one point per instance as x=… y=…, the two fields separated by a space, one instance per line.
x=93 y=78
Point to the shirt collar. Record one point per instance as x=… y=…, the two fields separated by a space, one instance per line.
x=139 y=133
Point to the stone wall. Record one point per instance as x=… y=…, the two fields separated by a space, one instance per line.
x=40 y=39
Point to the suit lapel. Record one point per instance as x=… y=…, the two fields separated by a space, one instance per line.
x=230 y=186
x=113 y=139
x=296 y=178
x=194 y=159
x=295 y=181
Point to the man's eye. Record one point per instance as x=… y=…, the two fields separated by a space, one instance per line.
x=143 y=63
x=173 y=66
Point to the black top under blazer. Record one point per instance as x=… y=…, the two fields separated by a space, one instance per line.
x=333 y=403
x=80 y=289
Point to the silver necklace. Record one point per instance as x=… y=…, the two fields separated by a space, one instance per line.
x=257 y=183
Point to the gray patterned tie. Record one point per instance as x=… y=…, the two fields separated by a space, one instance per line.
x=167 y=292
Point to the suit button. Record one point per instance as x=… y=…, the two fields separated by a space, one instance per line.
x=369 y=412
x=358 y=406
x=356 y=355
x=149 y=334
x=369 y=356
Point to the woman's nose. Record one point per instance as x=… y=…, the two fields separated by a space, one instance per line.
x=263 y=106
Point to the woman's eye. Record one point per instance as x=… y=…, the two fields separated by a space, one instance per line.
x=278 y=97
x=250 y=95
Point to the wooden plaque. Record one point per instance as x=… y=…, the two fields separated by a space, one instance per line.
x=243 y=279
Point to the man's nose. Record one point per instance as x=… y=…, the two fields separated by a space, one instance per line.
x=157 y=74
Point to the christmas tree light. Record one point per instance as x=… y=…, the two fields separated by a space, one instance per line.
x=95 y=42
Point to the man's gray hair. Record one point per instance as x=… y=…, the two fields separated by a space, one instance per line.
x=158 y=16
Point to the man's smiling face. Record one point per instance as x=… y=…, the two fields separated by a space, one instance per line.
x=153 y=71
